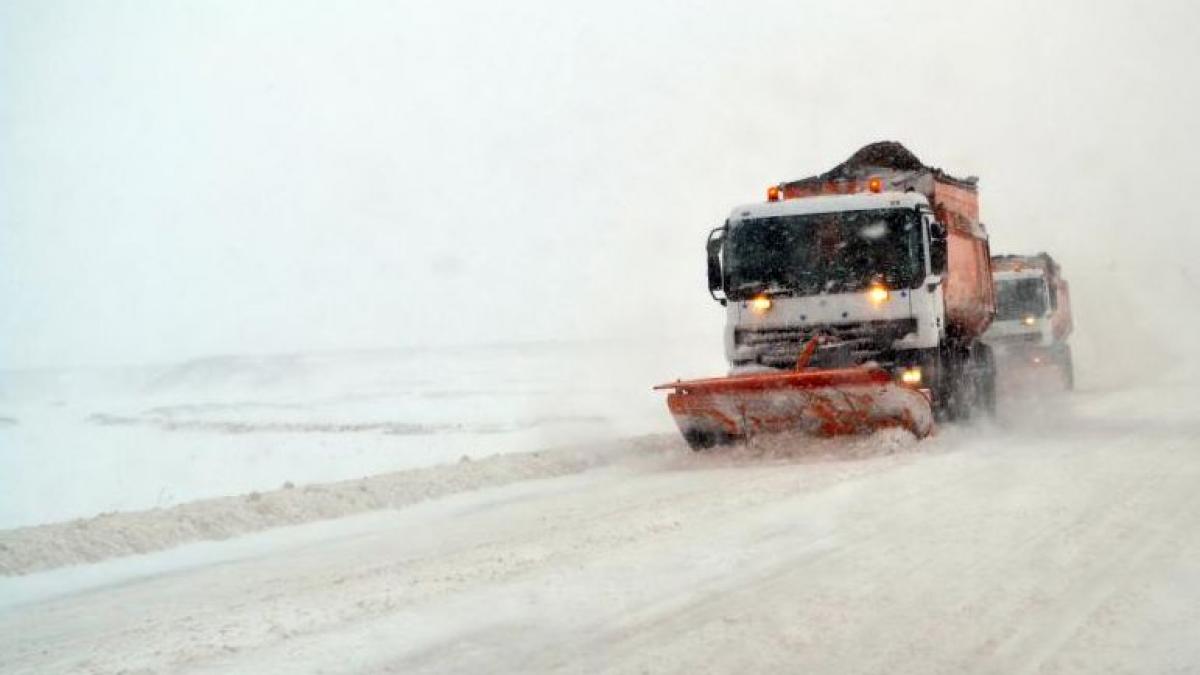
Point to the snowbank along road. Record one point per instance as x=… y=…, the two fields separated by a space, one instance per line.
x=1062 y=538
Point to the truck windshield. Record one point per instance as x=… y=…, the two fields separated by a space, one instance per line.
x=815 y=253
x=1016 y=298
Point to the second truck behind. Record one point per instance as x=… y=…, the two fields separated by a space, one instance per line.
x=1033 y=315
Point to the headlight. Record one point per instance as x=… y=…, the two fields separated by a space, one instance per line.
x=911 y=376
x=877 y=294
x=1029 y=320
x=759 y=304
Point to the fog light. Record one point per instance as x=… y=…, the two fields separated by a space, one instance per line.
x=911 y=376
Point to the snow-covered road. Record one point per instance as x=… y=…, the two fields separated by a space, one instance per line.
x=1063 y=539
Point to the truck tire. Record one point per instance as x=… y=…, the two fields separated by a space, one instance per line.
x=968 y=383
x=1062 y=358
x=954 y=391
x=941 y=388
x=987 y=380
x=699 y=440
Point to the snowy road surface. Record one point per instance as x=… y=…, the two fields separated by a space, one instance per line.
x=1063 y=539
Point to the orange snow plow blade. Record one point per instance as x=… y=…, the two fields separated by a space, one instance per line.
x=820 y=402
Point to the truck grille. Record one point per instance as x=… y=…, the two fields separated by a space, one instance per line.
x=1016 y=338
x=849 y=344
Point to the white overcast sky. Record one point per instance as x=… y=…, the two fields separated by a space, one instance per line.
x=180 y=179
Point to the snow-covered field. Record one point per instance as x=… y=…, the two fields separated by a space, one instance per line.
x=121 y=439
x=580 y=535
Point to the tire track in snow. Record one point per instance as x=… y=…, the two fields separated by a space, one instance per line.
x=1140 y=535
x=644 y=493
x=761 y=571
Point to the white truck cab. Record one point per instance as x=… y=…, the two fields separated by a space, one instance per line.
x=1023 y=309
x=854 y=267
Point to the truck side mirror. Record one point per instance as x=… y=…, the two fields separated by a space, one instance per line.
x=716 y=279
x=937 y=248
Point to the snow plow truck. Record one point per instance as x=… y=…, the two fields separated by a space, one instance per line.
x=854 y=301
x=1033 y=315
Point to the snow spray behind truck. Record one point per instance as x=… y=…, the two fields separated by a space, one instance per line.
x=854 y=300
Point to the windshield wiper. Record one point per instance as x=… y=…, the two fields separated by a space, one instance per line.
x=759 y=288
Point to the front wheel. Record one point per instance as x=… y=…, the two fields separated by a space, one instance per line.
x=1066 y=366
x=986 y=379
x=700 y=439
x=952 y=395
x=966 y=383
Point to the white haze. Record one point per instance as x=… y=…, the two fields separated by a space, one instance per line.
x=180 y=179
